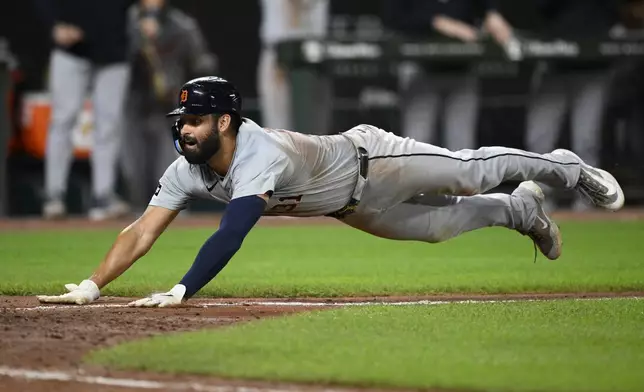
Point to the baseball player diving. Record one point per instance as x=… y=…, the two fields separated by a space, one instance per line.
x=370 y=179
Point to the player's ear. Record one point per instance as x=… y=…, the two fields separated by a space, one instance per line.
x=224 y=122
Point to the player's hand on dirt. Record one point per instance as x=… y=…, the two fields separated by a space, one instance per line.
x=162 y=300
x=84 y=293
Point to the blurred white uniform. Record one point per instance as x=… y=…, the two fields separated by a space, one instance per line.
x=283 y=20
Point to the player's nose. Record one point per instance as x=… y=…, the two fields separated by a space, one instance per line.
x=185 y=130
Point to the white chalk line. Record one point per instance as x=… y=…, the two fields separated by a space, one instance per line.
x=328 y=304
x=56 y=375
x=272 y=303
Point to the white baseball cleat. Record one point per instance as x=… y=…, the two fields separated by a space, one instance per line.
x=108 y=208
x=598 y=185
x=54 y=209
x=544 y=231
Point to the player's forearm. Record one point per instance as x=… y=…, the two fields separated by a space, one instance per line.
x=211 y=259
x=498 y=27
x=454 y=28
x=130 y=245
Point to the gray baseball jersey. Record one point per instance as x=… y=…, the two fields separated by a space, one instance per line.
x=307 y=175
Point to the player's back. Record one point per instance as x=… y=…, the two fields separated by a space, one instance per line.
x=317 y=173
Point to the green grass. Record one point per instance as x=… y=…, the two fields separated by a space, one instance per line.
x=536 y=346
x=333 y=261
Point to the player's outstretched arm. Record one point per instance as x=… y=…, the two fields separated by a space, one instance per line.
x=239 y=218
x=130 y=245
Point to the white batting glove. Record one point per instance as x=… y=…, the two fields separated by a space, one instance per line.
x=171 y=298
x=81 y=294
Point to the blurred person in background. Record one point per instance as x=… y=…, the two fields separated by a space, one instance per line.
x=90 y=50
x=7 y=64
x=283 y=20
x=578 y=87
x=167 y=47
x=633 y=26
x=425 y=88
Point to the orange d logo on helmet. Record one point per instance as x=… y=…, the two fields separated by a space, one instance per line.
x=184 y=96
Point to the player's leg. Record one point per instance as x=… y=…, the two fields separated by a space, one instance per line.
x=274 y=91
x=110 y=86
x=588 y=108
x=453 y=215
x=69 y=78
x=461 y=112
x=545 y=113
x=164 y=152
x=401 y=168
x=135 y=156
x=421 y=102
x=477 y=171
x=469 y=172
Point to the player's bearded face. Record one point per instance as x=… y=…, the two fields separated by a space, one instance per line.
x=199 y=141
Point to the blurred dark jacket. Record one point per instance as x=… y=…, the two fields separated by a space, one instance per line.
x=578 y=20
x=7 y=64
x=162 y=65
x=574 y=19
x=413 y=18
x=103 y=23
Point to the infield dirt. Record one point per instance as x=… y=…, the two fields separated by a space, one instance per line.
x=55 y=338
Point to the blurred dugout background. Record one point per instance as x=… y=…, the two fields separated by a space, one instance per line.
x=506 y=99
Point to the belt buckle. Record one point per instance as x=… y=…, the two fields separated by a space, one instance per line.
x=345 y=211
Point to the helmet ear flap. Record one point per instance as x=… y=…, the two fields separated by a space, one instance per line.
x=176 y=135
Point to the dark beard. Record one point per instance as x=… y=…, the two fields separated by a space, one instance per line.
x=204 y=151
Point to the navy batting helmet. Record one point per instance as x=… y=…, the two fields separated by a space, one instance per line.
x=202 y=96
x=208 y=95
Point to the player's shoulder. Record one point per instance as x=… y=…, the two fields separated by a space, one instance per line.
x=249 y=126
x=256 y=147
x=252 y=136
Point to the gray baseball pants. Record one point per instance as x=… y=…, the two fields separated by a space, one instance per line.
x=585 y=93
x=274 y=91
x=69 y=81
x=418 y=191
x=293 y=99
x=424 y=94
